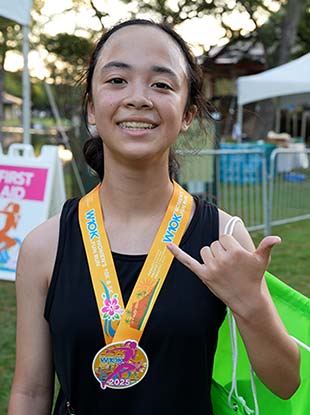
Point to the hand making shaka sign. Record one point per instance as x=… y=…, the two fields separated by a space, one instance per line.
x=231 y=272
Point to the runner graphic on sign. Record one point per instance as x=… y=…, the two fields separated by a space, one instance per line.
x=9 y=246
x=11 y=211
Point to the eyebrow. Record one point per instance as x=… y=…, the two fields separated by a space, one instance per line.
x=154 y=68
x=164 y=69
x=116 y=64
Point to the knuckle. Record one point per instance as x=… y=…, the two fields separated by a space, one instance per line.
x=210 y=270
x=214 y=244
x=235 y=253
x=187 y=262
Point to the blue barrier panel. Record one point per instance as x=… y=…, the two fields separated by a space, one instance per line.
x=244 y=168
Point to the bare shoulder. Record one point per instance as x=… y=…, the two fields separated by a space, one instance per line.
x=38 y=253
x=240 y=232
x=33 y=377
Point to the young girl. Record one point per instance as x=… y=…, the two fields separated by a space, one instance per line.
x=125 y=339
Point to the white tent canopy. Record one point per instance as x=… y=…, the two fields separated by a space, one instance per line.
x=289 y=79
x=17 y=10
x=288 y=83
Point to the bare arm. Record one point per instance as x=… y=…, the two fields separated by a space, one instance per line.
x=273 y=354
x=32 y=388
x=234 y=270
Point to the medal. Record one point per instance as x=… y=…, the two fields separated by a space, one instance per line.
x=120 y=365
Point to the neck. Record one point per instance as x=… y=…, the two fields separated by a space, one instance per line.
x=131 y=193
x=134 y=203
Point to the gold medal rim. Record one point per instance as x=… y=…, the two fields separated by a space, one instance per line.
x=116 y=343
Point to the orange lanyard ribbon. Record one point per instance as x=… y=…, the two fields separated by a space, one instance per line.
x=118 y=323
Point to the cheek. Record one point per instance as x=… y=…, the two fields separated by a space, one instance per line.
x=104 y=105
x=173 y=106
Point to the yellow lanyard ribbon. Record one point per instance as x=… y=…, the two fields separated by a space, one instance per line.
x=119 y=324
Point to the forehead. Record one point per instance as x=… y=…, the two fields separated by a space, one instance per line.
x=143 y=45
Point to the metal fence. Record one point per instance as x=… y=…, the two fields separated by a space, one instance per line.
x=289 y=186
x=263 y=190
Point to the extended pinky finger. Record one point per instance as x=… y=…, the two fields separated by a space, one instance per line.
x=184 y=258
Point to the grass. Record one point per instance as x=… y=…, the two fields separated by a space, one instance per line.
x=7 y=340
x=291 y=199
x=290 y=262
x=240 y=192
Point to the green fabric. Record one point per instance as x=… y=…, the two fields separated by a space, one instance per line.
x=294 y=309
x=219 y=396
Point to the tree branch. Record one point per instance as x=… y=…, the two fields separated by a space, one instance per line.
x=250 y=12
x=98 y=13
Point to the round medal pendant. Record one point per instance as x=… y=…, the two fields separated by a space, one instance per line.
x=120 y=365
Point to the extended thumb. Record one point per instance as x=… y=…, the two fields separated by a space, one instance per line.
x=266 y=245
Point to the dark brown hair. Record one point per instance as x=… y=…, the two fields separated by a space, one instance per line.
x=93 y=147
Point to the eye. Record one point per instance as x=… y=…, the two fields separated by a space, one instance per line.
x=116 y=81
x=162 y=85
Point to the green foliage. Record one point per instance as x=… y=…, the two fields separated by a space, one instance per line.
x=70 y=48
x=269 y=34
x=196 y=139
x=38 y=96
x=174 y=15
x=13 y=83
x=68 y=53
x=189 y=9
x=303 y=35
x=71 y=53
x=10 y=37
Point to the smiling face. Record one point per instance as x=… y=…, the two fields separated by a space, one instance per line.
x=139 y=94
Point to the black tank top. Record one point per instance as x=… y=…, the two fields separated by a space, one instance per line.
x=179 y=339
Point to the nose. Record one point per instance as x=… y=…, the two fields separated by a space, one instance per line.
x=138 y=99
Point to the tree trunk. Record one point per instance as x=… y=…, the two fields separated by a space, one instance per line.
x=266 y=115
x=289 y=28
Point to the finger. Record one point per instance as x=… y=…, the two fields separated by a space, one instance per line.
x=206 y=254
x=217 y=249
x=228 y=242
x=184 y=258
x=264 y=248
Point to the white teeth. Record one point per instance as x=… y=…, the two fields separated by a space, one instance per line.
x=132 y=125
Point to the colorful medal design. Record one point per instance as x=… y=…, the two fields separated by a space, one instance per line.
x=120 y=365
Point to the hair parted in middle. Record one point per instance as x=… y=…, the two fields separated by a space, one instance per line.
x=93 y=147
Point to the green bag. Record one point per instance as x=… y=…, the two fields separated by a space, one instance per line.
x=294 y=309
x=219 y=395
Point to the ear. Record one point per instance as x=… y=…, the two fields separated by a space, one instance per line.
x=188 y=118
x=91 y=113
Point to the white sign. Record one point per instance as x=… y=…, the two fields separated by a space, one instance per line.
x=17 y=10
x=31 y=190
